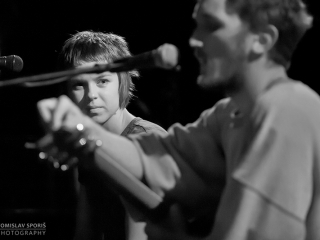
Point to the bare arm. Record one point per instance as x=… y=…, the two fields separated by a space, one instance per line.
x=117 y=148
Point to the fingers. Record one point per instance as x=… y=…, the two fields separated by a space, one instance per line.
x=59 y=112
x=45 y=142
x=45 y=109
x=62 y=148
x=59 y=159
x=62 y=111
x=69 y=164
x=65 y=142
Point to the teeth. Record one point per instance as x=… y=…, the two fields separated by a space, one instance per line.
x=195 y=43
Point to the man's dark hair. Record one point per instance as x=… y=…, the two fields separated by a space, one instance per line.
x=290 y=17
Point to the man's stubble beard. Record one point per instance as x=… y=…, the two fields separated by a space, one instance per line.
x=229 y=87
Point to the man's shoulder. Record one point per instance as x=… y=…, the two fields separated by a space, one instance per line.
x=292 y=94
x=287 y=102
x=218 y=108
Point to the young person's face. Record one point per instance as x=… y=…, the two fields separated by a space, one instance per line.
x=220 y=44
x=97 y=95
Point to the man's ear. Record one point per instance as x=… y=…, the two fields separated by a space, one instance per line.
x=265 y=39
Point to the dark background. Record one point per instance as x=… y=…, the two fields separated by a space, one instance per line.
x=30 y=190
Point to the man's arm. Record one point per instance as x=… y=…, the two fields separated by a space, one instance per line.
x=116 y=147
x=166 y=159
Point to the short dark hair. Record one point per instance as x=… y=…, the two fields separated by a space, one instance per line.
x=90 y=46
x=290 y=17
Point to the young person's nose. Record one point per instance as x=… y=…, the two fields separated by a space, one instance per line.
x=92 y=91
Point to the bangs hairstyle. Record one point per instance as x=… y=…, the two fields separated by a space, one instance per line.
x=290 y=17
x=89 y=46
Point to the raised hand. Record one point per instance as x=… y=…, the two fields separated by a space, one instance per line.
x=66 y=137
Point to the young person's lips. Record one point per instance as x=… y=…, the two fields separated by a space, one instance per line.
x=94 y=109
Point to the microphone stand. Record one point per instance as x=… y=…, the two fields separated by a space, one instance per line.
x=55 y=77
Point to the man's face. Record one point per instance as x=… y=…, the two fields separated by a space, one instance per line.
x=97 y=95
x=220 y=44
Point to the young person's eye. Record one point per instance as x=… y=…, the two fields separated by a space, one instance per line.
x=102 y=82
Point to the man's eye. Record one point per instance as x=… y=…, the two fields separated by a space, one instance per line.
x=211 y=27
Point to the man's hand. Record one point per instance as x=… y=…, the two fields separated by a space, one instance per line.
x=58 y=113
x=61 y=119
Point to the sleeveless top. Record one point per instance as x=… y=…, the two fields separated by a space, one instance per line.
x=106 y=202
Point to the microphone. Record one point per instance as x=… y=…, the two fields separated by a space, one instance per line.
x=166 y=56
x=13 y=63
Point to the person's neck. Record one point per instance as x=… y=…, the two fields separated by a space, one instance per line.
x=119 y=121
x=255 y=81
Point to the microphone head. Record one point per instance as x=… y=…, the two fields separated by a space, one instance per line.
x=167 y=56
x=12 y=63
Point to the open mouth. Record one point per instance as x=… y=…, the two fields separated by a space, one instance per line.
x=200 y=57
